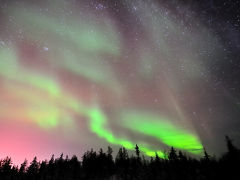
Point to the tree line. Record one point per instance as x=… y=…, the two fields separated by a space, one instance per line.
x=101 y=165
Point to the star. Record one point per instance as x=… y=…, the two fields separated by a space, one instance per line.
x=45 y=48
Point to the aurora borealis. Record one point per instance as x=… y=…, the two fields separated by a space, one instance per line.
x=83 y=74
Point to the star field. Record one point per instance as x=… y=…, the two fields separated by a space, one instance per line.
x=76 y=75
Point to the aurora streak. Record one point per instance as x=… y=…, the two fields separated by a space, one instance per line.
x=73 y=76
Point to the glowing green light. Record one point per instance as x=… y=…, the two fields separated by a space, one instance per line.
x=97 y=124
x=88 y=37
x=163 y=130
x=10 y=69
x=89 y=41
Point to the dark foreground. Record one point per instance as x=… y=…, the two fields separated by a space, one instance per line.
x=101 y=165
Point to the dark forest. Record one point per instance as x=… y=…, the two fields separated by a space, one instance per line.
x=101 y=165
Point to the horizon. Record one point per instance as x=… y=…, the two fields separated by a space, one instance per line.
x=76 y=75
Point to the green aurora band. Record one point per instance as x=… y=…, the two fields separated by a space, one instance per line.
x=49 y=116
x=90 y=40
x=163 y=130
x=86 y=60
x=97 y=123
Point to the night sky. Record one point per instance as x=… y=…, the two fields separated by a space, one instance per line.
x=81 y=74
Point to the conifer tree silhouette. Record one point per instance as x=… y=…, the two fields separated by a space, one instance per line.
x=230 y=146
x=206 y=155
x=23 y=167
x=172 y=154
x=137 y=151
x=101 y=166
x=32 y=170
